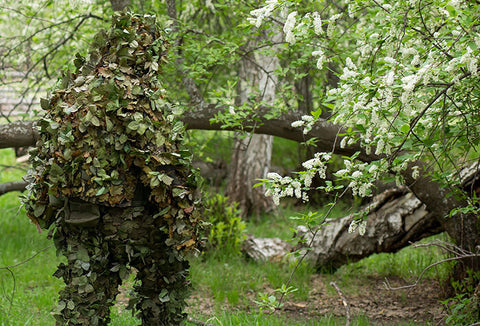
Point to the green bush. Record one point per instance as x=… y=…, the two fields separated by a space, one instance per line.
x=227 y=231
x=464 y=308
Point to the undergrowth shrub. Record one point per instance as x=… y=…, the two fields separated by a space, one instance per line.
x=464 y=308
x=227 y=231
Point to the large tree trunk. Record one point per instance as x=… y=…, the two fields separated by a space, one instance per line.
x=250 y=161
x=251 y=156
x=463 y=228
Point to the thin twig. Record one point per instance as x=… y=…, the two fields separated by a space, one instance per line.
x=314 y=234
x=28 y=259
x=344 y=300
x=389 y=287
x=10 y=300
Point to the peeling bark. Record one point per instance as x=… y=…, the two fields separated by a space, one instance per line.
x=266 y=249
x=395 y=219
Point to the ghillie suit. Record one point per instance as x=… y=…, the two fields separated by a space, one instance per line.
x=110 y=174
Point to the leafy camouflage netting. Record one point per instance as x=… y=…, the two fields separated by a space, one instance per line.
x=109 y=128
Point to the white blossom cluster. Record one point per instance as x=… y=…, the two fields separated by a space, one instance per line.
x=288 y=27
x=263 y=12
x=279 y=187
x=306 y=122
x=321 y=58
x=360 y=176
x=361 y=225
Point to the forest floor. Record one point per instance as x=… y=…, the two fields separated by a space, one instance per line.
x=419 y=305
x=367 y=297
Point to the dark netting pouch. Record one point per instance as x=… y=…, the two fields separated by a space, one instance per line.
x=81 y=213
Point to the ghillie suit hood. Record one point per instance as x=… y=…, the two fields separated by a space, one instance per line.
x=109 y=129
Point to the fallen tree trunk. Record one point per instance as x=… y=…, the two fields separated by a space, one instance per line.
x=395 y=219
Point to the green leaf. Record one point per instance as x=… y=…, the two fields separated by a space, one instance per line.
x=109 y=124
x=101 y=191
x=44 y=103
x=317 y=113
x=89 y=288
x=61 y=306
x=451 y=10
x=38 y=210
x=95 y=121
x=165 y=179
x=162 y=212
x=163 y=296
x=405 y=128
x=56 y=172
x=134 y=125
x=70 y=305
x=159 y=139
x=137 y=90
x=142 y=128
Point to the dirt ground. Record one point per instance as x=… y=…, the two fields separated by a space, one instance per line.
x=367 y=297
x=372 y=300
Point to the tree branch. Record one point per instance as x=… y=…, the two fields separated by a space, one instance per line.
x=12 y=186
x=344 y=301
x=460 y=254
x=18 y=134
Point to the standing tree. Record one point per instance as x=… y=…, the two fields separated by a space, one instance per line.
x=251 y=155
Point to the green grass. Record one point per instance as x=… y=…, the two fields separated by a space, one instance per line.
x=408 y=263
x=227 y=318
x=235 y=281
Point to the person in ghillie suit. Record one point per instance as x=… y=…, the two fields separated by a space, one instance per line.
x=109 y=177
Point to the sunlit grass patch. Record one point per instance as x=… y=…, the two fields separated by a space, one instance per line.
x=407 y=263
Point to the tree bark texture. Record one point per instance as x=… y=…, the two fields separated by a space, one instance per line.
x=250 y=161
x=463 y=228
x=251 y=156
x=18 y=134
x=119 y=5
